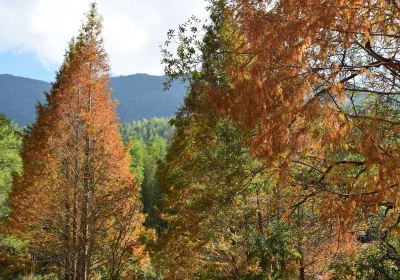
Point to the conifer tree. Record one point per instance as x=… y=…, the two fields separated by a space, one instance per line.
x=316 y=83
x=77 y=202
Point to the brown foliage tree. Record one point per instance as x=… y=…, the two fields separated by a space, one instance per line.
x=77 y=202
x=316 y=82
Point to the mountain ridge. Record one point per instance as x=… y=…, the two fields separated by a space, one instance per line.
x=139 y=96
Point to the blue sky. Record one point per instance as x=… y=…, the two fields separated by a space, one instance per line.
x=25 y=64
x=35 y=33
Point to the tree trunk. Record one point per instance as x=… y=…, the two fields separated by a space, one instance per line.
x=84 y=258
x=75 y=237
x=263 y=259
x=67 y=252
x=302 y=270
x=83 y=246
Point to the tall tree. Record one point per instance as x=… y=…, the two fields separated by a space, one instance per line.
x=321 y=118
x=214 y=193
x=77 y=203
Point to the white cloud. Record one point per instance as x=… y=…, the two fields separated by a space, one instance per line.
x=133 y=29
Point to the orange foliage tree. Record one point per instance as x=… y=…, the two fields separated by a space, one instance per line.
x=317 y=83
x=77 y=203
x=221 y=214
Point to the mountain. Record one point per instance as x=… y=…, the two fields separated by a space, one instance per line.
x=18 y=97
x=139 y=96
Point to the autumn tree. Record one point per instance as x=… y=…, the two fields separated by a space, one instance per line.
x=77 y=203
x=220 y=223
x=313 y=86
x=316 y=81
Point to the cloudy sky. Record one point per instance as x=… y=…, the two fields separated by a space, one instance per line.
x=35 y=33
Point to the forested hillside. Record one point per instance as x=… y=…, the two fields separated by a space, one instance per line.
x=147 y=141
x=147 y=129
x=141 y=96
x=282 y=162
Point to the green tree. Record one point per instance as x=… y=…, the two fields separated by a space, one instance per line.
x=10 y=160
x=156 y=152
x=10 y=166
x=138 y=153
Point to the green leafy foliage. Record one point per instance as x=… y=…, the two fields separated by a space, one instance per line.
x=10 y=165
x=213 y=204
x=377 y=255
x=10 y=161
